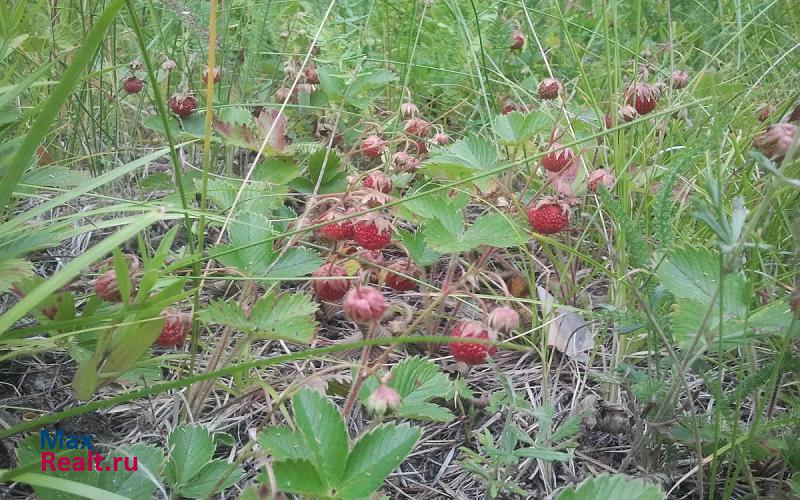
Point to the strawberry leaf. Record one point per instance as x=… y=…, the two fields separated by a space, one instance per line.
x=319 y=422
x=616 y=486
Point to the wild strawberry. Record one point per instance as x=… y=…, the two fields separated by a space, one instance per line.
x=441 y=139
x=169 y=65
x=216 y=74
x=133 y=85
x=378 y=181
x=503 y=319
x=627 y=113
x=182 y=105
x=401 y=272
x=372 y=232
x=284 y=93
x=643 y=97
x=330 y=283
x=384 y=398
x=364 y=304
x=775 y=141
x=765 y=112
x=311 y=75
x=336 y=231
x=409 y=109
x=404 y=162
x=517 y=40
x=508 y=107
x=373 y=146
x=549 y=88
x=548 y=216
x=599 y=176
x=421 y=147
x=794 y=116
x=678 y=79
x=374 y=198
x=417 y=126
x=177 y=326
x=558 y=158
x=107 y=288
x=472 y=354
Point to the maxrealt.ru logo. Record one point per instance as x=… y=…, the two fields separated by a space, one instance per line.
x=92 y=461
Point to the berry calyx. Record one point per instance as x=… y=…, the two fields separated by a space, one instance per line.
x=548 y=216
x=517 y=40
x=383 y=399
x=338 y=230
x=503 y=319
x=558 y=158
x=549 y=88
x=775 y=141
x=372 y=232
x=378 y=181
x=441 y=139
x=177 y=326
x=404 y=162
x=400 y=275
x=133 y=85
x=472 y=354
x=182 y=105
x=600 y=176
x=679 y=79
x=373 y=146
x=364 y=304
x=330 y=283
x=627 y=113
x=417 y=126
x=215 y=72
x=409 y=109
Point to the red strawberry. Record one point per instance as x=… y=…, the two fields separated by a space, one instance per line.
x=336 y=231
x=372 y=232
x=107 y=288
x=441 y=139
x=508 y=107
x=472 y=354
x=558 y=158
x=373 y=146
x=417 y=126
x=517 y=40
x=599 y=176
x=182 y=105
x=378 y=181
x=404 y=162
x=311 y=75
x=764 y=112
x=133 y=85
x=422 y=147
x=549 y=88
x=794 y=116
x=364 y=304
x=216 y=73
x=176 y=328
x=548 y=216
x=643 y=97
x=400 y=279
x=330 y=285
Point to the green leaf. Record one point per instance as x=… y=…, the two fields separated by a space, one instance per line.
x=322 y=427
x=236 y=115
x=375 y=455
x=283 y=443
x=202 y=485
x=326 y=164
x=417 y=248
x=140 y=484
x=299 y=476
x=546 y=454
x=492 y=230
x=294 y=263
x=276 y=170
x=461 y=160
x=515 y=127
x=190 y=449
x=53 y=177
x=285 y=316
x=611 y=487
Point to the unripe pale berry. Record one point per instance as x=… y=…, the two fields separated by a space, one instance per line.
x=364 y=304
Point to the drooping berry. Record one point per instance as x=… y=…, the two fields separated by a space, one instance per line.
x=643 y=97
x=337 y=230
x=169 y=65
x=107 y=287
x=364 y=304
x=549 y=88
x=517 y=40
x=599 y=176
x=441 y=139
x=472 y=354
x=416 y=126
x=383 y=399
x=182 y=105
x=372 y=232
x=133 y=85
x=400 y=275
x=503 y=319
x=282 y=94
x=775 y=141
x=408 y=109
x=378 y=181
x=330 y=283
x=548 y=216
x=371 y=260
x=508 y=107
x=558 y=159
x=765 y=112
x=679 y=79
x=177 y=326
x=373 y=146
x=627 y=113
x=311 y=75
x=404 y=162
x=216 y=72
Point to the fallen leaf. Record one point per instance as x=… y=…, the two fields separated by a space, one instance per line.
x=568 y=332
